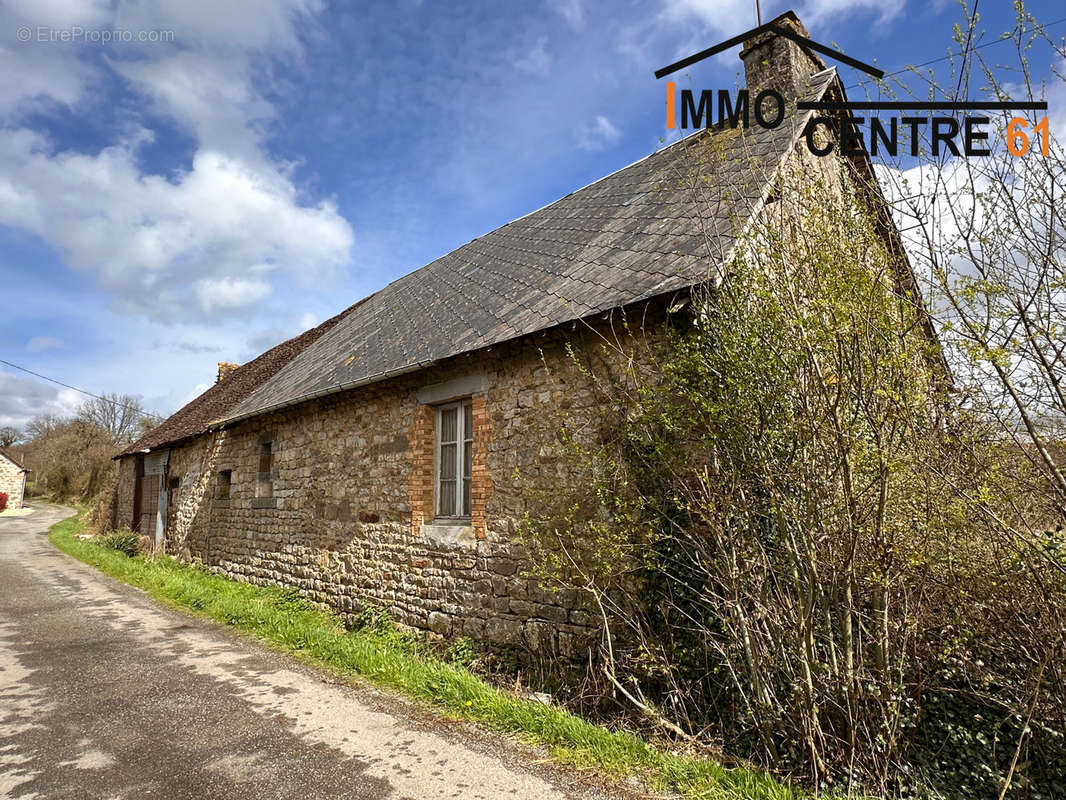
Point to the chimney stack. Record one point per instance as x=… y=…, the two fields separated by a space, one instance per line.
x=775 y=62
x=224 y=369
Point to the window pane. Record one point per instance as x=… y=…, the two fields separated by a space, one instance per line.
x=447 y=462
x=453 y=460
x=447 y=498
x=448 y=419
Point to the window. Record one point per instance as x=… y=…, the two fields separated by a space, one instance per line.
x=455 y=439
x=265 y=482
x=225 y=481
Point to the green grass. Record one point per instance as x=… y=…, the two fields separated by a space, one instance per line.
x=390 y=659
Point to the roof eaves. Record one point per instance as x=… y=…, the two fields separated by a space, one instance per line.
x=659 y=290
x=340 y=387
x=13 y=461
x=223 y=422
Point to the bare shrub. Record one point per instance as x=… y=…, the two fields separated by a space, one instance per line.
x=801 y=547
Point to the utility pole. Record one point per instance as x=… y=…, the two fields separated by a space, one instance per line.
x=758 y=13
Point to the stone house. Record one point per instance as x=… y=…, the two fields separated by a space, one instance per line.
x=371 y=459
x=12 y=480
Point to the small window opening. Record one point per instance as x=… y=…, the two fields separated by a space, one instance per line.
x=265 y=482
x=225 y=481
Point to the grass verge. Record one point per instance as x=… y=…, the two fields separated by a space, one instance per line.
x=387 y=658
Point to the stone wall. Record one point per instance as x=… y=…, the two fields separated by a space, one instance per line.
x=12 y=482
x=345 y=512
x=775 y=62
x=349 y=516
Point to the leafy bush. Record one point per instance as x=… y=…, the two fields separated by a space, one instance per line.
x=290 y=599
x=800 y=547
x=123 y=541
x=462 y=651
x=3 y=500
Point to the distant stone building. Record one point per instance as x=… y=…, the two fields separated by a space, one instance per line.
x=371 y=459
x=12 y=480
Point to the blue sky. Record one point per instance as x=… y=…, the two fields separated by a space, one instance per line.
x=165 y=205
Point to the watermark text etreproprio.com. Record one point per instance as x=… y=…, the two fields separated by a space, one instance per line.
x=77 y=34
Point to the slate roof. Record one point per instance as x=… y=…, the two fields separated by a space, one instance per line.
x=196 y=416
x=657 y=226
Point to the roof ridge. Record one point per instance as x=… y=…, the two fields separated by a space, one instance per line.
x=160 y=435
x=596 y=258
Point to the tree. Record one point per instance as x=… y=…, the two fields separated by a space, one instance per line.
x=72 y=457
x=799 y=544
x=9 y=436
x=41 y=426
x=989 y=234
x=118 y=415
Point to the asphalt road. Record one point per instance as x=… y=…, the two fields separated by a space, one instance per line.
x=105 y=693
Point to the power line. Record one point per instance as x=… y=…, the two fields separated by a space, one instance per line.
x=954 y=55
x=136 y=410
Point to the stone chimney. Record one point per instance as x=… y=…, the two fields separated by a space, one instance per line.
x=224 y=369
x=775 y=62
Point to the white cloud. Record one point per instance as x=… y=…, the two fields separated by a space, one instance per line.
x=735 y=16
x=308 y=321
x=32 y=77
x=196 y=391
x=33 y=73
x=210 y=95
x=22 y=399
x=39 y=344
x=201 y=241
x=244 y=24
x=149 y=239
x=227 y=294
x=721 y=15
x=537 y=60
x=572 y=12
x=59 y=13
x=816 y=13
x=598 y=135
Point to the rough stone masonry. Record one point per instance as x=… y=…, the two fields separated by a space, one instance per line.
x=303 y=480
x=349 y=516
x=12 y=481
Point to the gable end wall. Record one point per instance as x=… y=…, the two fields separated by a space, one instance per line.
x=12 y=482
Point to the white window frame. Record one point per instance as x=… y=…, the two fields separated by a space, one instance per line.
x=461 y=437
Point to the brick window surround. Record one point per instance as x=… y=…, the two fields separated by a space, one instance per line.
x=421 y=487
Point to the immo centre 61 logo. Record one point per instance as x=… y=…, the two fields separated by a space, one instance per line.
x=966 y=136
